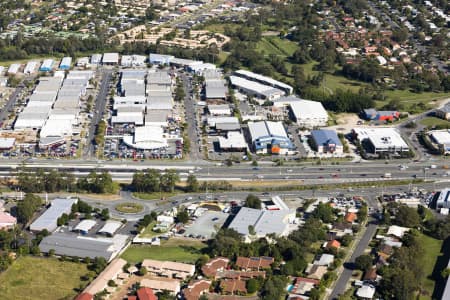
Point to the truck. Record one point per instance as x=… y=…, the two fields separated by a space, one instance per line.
x=387 y=175
x=433 y=166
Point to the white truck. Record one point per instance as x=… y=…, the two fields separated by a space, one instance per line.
x=387 y=175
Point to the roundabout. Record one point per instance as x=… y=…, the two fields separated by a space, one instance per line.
x=129 y=208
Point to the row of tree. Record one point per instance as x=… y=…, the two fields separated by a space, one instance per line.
x=38 y=181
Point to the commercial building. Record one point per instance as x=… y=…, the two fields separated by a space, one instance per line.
x=111 y=272
x=308 y=114
x=148 y=137
x=110 y=59
x=380 y=140
x=234 y=141
x=442 y=139
x=224 y=123
x=110 y=227
x=287 y=89
x=160 y=59
x=13 y=69
x=48 y=220
x=168 y=268
x=47 y=65
x=30 y=67
x=66 y=63
x=133 y=61
x=326 y=141
x=83 y=62
x=84 y=226
x=255 y=89
x=381 y=115
x=444 y=112
x=220 y=110
x=269 y=137
x=82 y=246
x=264 y=222
x=96 y=59
x=443 y=201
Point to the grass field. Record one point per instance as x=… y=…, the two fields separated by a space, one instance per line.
x=32 y=278
x=432 y=249
x=433 y=121
x=148 y=232
x=180 y=250
x=155 y=196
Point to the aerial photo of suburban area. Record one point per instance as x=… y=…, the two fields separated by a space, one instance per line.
x=224 y=149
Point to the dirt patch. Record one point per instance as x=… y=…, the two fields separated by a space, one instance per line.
x=345 y=122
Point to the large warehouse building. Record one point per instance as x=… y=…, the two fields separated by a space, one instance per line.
x=269 y=137
x=255 y=89
x=287 y=89
x=48 y=220
x=442 y=139
x=326 y=141
x=308 y=114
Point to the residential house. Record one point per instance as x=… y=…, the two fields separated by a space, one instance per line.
x=316 y=272
x=365 y=292
x=111 y=272
x=146 y=293
x=168 y=268
x=195 y=289
x=333 y=244
x=233 y=286
x=158 y=284
x=254 y=263
x=7 y=221
x=370 y=275
x=244 y=275
x=324 y=260
x=304 y=285
x=215 y=265
x=350 y=217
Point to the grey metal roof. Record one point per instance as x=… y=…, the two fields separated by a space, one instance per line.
x=72 y=245
x=263 y=221
x=48 y=219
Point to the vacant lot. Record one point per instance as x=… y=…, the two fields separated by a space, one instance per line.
x=181 y=250
x=32 y=278
x=430 y=122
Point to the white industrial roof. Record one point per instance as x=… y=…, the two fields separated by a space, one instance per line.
x=262 y=78
x=306 y=109
x=13 y=68
x=30 y=67
x=48 y=219
x=441 y=136
x=381 y=137
x=219 y=109
x=85 y=225
x=366 y=292
x=111 y=58
x=137 y=119
x=266 y=128
x=110 y=227
x=147 y=137
x=57 y=127
x=233 y=140
x=255 y=87
x=212 y=121
x=7 y=143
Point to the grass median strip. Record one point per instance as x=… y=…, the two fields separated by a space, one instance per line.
x=129 y=207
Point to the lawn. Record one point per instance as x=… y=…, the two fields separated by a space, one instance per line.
x=432 y=248
x=430 y=122
x=41 y=278
x=180 y=250
x=155 y=195
x=148 y=232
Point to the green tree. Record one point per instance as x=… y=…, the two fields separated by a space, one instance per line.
x=252 y=286
x=363 y=262
x=27 y=207
x=105 y=214
x=182 y=216
x=192 y=183
x=252 y=201
x=143 y=271
x=407 y=216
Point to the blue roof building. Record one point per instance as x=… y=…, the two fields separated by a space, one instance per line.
x=269 y=137
x=326 y=141
x=66 y=63
x=47 y=65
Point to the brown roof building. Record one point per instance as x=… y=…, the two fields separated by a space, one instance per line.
x=195 y=289
x=146 y=293
x=84 y=296
x=233 y=286
x=254 y=263
x=245 y=275
x=211 y=268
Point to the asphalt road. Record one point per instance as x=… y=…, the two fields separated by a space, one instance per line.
x=191 y=119
x=99 y=109
x=346 y=274
x=10 y=104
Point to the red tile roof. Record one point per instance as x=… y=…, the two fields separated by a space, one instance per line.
x=84 y=296
x=145 y=293
x=232 y=286
x=210 y=268
x=254 y=263
x=334 y=244
x=350 y=217
x=132 y=298
x=195 y=289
